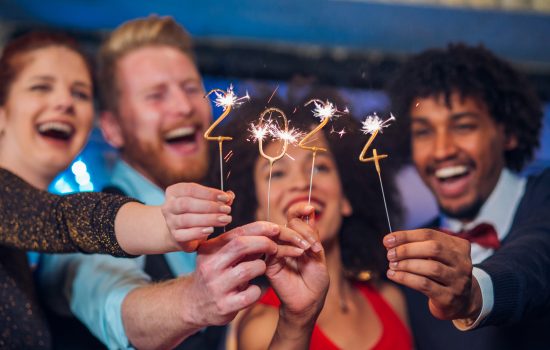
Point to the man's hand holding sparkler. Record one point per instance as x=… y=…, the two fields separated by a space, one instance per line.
x=439 y=266
x=226 y=264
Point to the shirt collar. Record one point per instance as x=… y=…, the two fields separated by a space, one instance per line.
x=499 y=209
x=136 y=185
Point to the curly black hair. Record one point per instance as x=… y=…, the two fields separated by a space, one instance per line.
x=472 y=72
x=361 y=233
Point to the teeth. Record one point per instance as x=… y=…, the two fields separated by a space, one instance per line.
x=180 y=132
x=55 y=126
x=445 y=173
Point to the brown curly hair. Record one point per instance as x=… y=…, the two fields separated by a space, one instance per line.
x=472 y=72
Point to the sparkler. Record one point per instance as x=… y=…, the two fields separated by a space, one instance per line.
x=372 y=125
x=266 y=128
x=226 y=100
x=325 y=111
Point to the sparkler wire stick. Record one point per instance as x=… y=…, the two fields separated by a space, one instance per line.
x=377 y=164
x=325 y=111
x=372 y=125
x=226 y=99
x=311 y=178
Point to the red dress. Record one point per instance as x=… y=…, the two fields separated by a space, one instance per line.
x=395 y=335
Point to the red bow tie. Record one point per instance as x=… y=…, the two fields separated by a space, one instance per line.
x=483 y=234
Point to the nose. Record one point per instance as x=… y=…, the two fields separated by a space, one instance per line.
x=300 y=179
x=444 y=146
x=63 y=101
x=180 y=103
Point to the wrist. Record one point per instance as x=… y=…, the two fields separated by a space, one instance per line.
x=298 y=321
x=291 y=335
x=476 y=301
x=190 y=303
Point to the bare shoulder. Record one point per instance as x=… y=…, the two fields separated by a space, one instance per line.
x=256 y=327
x=393 y=296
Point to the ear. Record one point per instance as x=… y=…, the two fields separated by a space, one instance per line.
x=511 y=142
x=110 y=128
x=346 y=208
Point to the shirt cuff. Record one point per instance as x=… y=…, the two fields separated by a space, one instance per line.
x=487 y=297
x=116 y=334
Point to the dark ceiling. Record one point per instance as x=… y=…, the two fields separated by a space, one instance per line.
x=341 y=42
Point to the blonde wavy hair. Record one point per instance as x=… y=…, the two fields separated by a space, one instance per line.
x=150 y=31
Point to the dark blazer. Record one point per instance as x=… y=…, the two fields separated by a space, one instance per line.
x=520 y=272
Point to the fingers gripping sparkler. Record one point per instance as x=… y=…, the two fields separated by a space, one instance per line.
x=372 y=125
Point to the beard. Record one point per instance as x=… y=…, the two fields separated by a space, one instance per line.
x=163 y=171
x=464 y=213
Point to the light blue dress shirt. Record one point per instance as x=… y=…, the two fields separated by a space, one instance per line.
x=96 y=285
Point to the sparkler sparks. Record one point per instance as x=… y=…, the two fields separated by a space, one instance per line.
x=373 y=123
x=228 y=99
x=326 y=110
x=341 y=133
x=292 y=135
x=259 y=131
x=272 y=129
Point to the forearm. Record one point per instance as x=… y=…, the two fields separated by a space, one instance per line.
x=293 y=331
x=37 y=220
x=519 y=275
x=142 y=229
x=156 y=316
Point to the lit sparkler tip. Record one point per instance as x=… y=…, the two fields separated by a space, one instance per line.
x=326 y=110
x=227 y=99
x=273 y=130
x=258 y=132
x=292 y=136
x=374 y=123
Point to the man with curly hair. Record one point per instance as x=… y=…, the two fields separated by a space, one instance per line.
x=474 y=123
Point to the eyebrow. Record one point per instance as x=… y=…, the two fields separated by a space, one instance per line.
x=458 y=116
x=83 y=84
x=453 y=117
x=155 y=87
x=43 y=77
x=49 y=78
